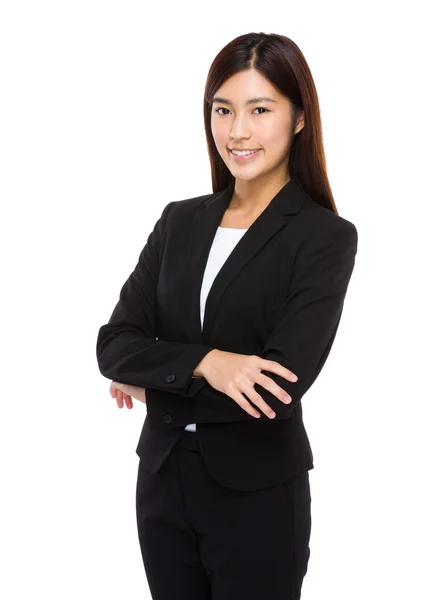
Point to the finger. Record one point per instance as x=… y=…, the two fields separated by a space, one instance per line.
x=270 y=385
x=257 y=399
x=275 y=367
x=119 y=400
x=128 y=401
x=242 y=402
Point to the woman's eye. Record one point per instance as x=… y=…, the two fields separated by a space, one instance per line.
x=258 y=108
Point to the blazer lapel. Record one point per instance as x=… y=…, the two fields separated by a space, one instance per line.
x=287 y=201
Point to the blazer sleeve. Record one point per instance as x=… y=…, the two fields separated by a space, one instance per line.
x=127 y=347
x=305 y=329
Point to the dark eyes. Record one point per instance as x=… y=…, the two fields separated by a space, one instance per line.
x=258 y=108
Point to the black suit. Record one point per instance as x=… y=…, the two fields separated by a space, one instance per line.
x=279 y=295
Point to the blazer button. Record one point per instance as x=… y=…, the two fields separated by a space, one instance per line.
x=167 y=418
x=170 y=378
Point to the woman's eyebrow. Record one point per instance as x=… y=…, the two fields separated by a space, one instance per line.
x=251 y=101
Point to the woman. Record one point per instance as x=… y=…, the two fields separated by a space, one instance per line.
x=224 y=324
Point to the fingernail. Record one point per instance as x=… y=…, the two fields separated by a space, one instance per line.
x=293 y=377
x=287 y=398
x=271 y=414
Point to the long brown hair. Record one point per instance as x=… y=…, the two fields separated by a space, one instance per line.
x=281 y=61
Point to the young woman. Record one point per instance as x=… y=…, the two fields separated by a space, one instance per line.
x=224 y=324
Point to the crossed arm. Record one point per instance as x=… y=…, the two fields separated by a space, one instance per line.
x=306 y=325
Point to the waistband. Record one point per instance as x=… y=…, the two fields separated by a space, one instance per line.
x=188 y=441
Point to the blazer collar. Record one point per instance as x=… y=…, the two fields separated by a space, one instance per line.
x=286 y=203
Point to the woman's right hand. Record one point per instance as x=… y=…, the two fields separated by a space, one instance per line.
x=235 y=375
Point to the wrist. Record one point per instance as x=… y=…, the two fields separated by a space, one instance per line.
x=202 y=367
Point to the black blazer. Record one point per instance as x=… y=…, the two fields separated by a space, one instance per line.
x=279 y=295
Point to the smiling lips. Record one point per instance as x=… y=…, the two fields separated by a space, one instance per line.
x=244 y=157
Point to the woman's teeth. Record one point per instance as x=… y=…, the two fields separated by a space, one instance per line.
x=243 y=152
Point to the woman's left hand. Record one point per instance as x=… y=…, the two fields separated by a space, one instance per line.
x=124 y=393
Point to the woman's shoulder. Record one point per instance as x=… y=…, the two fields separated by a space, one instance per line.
x=185 y=207
x=317 y=218
x=187 y=203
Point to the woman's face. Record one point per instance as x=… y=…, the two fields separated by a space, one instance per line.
x=262 y=125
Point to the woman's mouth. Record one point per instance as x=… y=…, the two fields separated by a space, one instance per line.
x=244 y=157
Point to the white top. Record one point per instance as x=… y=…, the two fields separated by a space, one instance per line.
x=224 y=241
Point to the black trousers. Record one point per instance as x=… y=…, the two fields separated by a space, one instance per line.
x=202 y=541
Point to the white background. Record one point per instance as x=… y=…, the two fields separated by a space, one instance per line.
x=101 y=126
